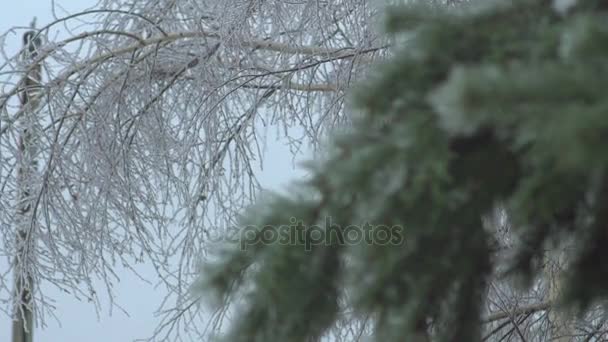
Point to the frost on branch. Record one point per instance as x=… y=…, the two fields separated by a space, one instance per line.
x=498 y=108
x=153 y=123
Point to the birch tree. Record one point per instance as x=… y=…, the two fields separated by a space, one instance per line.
x=150 y=127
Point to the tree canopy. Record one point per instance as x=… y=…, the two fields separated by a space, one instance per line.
x=488 y=104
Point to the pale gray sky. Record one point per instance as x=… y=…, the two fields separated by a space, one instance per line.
x=79 y=321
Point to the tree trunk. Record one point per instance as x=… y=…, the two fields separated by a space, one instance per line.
x=23 y=315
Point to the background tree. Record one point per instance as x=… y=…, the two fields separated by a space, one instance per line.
x=490 y=105
x=151 y=124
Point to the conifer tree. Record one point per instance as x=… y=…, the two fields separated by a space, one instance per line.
x=488 y=104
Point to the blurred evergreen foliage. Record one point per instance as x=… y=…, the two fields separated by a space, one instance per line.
x=490 y=103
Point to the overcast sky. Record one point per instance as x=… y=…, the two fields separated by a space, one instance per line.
x=79 y=320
